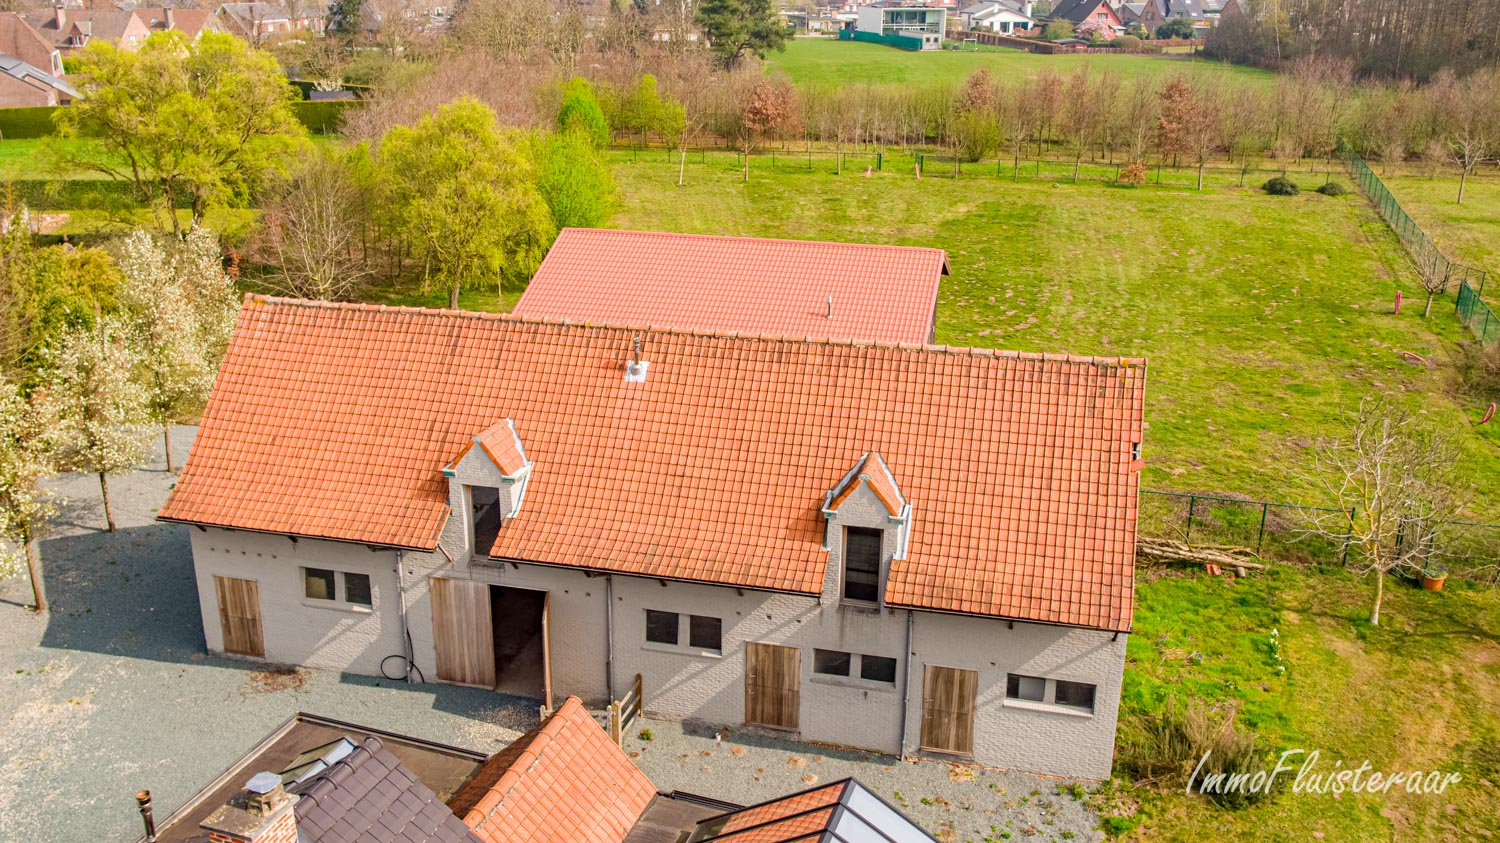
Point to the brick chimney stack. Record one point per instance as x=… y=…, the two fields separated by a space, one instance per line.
x=171 y=22
x=262 y=813
x=60 y=12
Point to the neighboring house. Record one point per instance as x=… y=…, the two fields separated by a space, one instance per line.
x=1202 y=14
x=902 y=548
x=256 y=21
x=24 y=85
x=19 y=40
x=695 y=282
x=315 y=780
x=1096 y=14
x=70 y=30
x=926 y=24
x=1130 y=13
x=1004 y=16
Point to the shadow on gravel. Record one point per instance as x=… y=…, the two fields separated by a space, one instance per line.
x=128 y=593
x=752 y=737
x=473 y=703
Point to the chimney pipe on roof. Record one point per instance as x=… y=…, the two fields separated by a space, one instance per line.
x=635 y=370
x=262 y=813
x=143 y=799
x=830 y=307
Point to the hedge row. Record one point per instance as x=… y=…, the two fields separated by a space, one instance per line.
x=36 y=122
x=76 y=194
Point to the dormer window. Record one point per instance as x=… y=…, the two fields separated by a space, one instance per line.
x=487 y=484
x=862 y=564
x=860 y=510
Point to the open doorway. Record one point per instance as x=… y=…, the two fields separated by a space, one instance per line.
x=519 y=629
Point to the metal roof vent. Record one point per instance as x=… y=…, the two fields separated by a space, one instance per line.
x=635 y=370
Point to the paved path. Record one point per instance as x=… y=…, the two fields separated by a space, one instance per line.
x=112 y=691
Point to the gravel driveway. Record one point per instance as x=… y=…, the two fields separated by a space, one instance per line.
x=113 y=691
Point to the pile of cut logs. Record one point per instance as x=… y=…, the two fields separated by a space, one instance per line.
x=1214 y=557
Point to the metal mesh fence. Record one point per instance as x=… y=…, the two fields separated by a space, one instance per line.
x=1282 y=531
x=1429 y=260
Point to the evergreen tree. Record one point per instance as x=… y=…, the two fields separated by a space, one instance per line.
x=737 y=27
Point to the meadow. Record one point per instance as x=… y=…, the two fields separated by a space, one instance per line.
x=1468 y=233
x=1419 y=692
x=818 y=60
x=1265 y=319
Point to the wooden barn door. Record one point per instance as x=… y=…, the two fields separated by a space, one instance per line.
x=547 y=649
x=462 y=632
x=773 y=685
x=239 y=616
x=948 y=698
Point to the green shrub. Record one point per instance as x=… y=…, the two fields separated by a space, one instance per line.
x=1115 y=826
x=1165 y=748
x=35 y=122
x=646 y=735
x=1127 y=43
x=1333 y=188
x=324 y=117
x=1280 y=186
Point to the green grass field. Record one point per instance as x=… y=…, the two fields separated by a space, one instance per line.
x=1470 y=232
x=816 y=60
x=1265 y=318
x=1419 y=692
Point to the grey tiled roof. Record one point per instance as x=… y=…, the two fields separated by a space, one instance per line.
x=370 y=798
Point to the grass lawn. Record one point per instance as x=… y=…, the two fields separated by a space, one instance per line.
x=1469 y=233
x=824 y=60
x=1419 y=692
x=1264 y=318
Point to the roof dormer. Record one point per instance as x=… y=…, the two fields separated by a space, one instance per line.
x=867 y=524
x=487 y=483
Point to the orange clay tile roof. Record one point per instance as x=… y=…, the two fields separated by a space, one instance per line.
x=750 y=285
x=878 y=476
x=334 y=421
x=562 y=781
x=503 y=446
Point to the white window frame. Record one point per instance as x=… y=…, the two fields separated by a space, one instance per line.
x=339 y=602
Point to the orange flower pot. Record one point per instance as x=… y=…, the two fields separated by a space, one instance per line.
x=1430 y=583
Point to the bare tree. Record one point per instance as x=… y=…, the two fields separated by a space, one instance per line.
x=315 y=230
x=1394 y=480
x=1471 y=110
x=768 y=107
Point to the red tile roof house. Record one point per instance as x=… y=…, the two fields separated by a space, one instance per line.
x=316 y=780
x=905 y=548
x=696 y=282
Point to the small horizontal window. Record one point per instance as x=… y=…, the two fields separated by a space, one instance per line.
x=831 y=662
x=317 y=584
x=661 y=627
x=1075 y=695
x=705 y=633
x=1031 y=688
x=877 y=669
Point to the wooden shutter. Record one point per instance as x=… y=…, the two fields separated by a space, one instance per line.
x=239 y=616
x=948 y=701
x=462 y=632
x=773 y=685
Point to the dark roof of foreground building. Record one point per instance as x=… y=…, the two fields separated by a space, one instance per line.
x=844 y=811
x=368 y=796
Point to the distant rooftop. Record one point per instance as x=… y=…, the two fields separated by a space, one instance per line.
x=784 y=288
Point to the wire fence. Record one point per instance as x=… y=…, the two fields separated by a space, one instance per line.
x=1426 y=256
x=923 y=164
x=1284 y=531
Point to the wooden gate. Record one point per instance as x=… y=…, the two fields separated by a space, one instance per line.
x=463 y=632
x=239 y=616
x=547 y=649
x=948 y=697
x=773 y=685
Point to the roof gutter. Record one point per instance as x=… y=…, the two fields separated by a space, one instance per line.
x=608 y=572
x=294 y=536
x=1125 y=631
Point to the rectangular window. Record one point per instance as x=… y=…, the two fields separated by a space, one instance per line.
x=357 y=589
x=705 y=633
x=1031 y=688
x=862 y=564
x=661 y=627
x=317 y=584
x=1075 y=695
x=831 y=662
x=877 y=669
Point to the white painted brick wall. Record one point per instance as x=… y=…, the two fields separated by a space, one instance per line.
x=315 y=633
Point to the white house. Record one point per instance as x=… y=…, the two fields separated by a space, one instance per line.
x=923 y=23
x=905 y=548
x=1003 y=16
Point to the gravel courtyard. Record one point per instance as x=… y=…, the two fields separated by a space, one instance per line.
x=112 y=691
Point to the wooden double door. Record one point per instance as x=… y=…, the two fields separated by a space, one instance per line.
x=465 y=631
x=773 y=685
